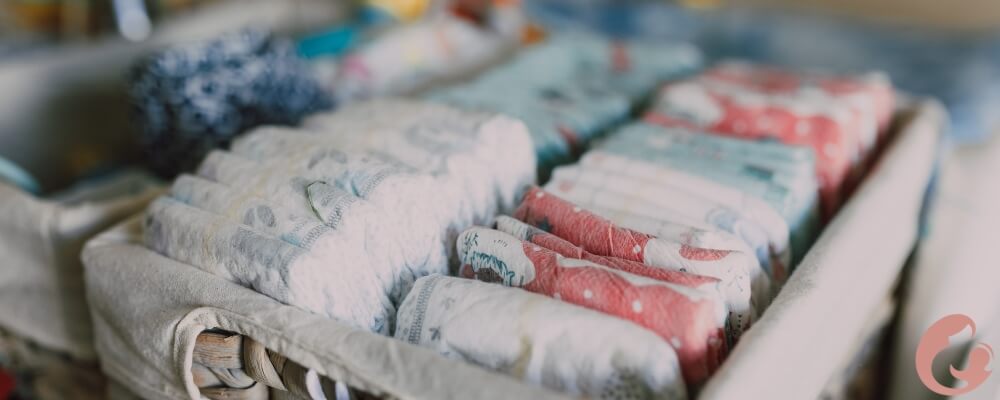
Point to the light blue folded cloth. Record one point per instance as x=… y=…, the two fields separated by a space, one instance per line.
x=572 y=88
x=781 y=175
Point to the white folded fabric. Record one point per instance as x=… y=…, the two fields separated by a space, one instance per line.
x=510 y=330
x=341 y=220
x=343 y=286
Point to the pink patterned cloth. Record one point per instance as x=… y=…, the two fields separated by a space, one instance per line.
x=839 y=117
x=709 y=285
x=744 y=284
x=871 y=95
x=688 y=319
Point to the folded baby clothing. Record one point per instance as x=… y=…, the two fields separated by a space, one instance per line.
x=838 y=117
x=572 y=87
x=342 y=219
x=687 y=318
x=586 y=354
x=746 y=287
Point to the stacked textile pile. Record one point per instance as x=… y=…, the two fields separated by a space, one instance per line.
x=686 y=225
x=572 y=88
x=341 y=218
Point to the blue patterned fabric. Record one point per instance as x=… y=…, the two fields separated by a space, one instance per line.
x=193 y=98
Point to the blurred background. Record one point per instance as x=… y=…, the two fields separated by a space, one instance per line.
x=64 y=64
x=89 y=88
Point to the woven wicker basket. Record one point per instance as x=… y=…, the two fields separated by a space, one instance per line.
x=232 y=366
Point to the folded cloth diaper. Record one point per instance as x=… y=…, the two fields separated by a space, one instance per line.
x=679 y=193
x=511 y=331
x=826 y=126
x=572 y=88
x=481 y=162
x=337 y=224
x=870 y=95
x=709 y=286
x=781 y=175
x=738 y=271
x=692 y=322
x=756 y=107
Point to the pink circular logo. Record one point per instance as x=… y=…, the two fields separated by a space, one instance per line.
x=935 y=340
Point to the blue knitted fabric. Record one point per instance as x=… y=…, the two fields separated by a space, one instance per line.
x=193 y=98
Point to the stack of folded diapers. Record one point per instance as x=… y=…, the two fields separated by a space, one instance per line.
x=630 y=274
x=685 y=224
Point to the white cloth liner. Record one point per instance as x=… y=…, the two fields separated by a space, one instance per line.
x=41 y=278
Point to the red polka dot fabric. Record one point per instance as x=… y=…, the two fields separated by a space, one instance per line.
x=839 y=117
x=744 y=282
x=686 y=318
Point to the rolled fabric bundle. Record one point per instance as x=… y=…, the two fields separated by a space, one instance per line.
x=781 y=175
x=562 y=115
x=409 y=234
x=324 y=221
x=472 y=180
x=707 y=285
x=192 y=98
x=608 y=203
x=689 y=319
x=305 y=277
x=830 y=128
x=511 y=331
x=740 y=273
x=572 y=87
x=691 y=150
x=674 y=227
x=870 y=95
x=725 y=208
x=630 y=67
x=464 y=149
x=317 y=231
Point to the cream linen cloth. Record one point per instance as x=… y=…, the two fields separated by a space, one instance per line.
x=41 y=282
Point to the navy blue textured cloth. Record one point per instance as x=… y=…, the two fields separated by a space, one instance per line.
x=193 y=98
